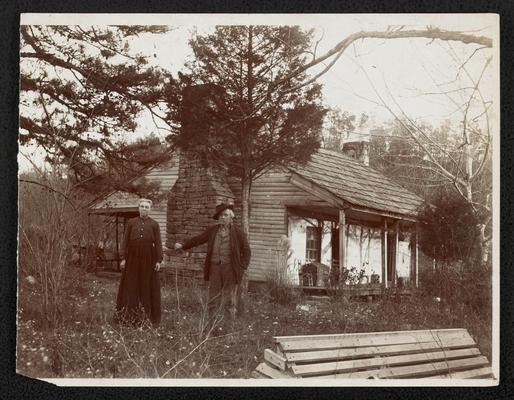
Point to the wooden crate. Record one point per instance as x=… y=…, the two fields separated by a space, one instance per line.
x=436 y=353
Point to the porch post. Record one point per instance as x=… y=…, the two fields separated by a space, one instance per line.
x=342 y=234
x=396 y=252
x=384 y=253
x=385 y=259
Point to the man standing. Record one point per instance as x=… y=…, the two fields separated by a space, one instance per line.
x=228 y=256
x=139 y=294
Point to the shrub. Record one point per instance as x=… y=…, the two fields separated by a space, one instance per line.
x=450 y=230
x=466 y=285
x=452 y=234
x=49 y=226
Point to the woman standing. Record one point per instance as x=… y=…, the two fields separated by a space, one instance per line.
x=139 y=294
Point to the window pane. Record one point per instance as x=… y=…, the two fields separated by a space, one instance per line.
x=312 y=244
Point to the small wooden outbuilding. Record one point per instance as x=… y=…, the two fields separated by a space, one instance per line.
x=118 y=207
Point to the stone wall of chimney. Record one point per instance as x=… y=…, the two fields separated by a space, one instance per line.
x=191 y=204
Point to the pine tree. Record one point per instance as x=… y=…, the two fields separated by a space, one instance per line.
x=81 y=91
x=251 y=124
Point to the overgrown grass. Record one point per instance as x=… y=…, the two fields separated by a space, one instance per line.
x=87 y=344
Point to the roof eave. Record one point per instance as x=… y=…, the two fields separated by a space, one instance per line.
x=384 y=213
x=325 y=194
x=316 y=190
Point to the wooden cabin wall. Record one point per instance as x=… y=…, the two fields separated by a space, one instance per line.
x=158 y=213
x=166 y=175
x=268 y=218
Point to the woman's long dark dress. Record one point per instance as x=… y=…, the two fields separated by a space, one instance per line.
x=139 y=294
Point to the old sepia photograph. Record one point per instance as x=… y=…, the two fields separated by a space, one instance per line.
x=259 y=200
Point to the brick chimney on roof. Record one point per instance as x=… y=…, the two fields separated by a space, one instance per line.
x=357 y=150
x=357 y=145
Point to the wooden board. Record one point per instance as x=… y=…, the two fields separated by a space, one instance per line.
x=381 y=362
x=437 y=353
x=271 y=372
x=414 y=371
x=361 y=352
x=258 y=375
x=274 y=359
x=350 y=341
x=367 y=334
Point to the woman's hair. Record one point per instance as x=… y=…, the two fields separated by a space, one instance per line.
x=145 y=201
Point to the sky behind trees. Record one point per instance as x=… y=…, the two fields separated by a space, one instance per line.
x=403 y=71
x=409 y=67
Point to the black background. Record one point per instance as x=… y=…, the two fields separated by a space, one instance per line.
x=17 y=386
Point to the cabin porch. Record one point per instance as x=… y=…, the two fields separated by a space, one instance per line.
x=377 y=251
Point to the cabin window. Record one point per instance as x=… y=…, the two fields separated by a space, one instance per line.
x=313 y=242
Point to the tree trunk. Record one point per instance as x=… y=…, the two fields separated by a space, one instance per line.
x=246 y=180
x=482 y=251
x=242 y=289
x=245 y=203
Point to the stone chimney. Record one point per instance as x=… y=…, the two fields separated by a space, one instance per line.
x=191 y=204
x=199 y=187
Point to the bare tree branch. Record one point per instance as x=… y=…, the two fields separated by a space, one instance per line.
x=429 y=33
x=51 y=189
x=408 y=128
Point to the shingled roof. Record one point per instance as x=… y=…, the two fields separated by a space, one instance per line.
x=358 y=184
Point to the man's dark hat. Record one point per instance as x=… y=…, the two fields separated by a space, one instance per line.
x=222 y=207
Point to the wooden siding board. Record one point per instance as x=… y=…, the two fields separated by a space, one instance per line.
x=166 y=174
x=270 y=194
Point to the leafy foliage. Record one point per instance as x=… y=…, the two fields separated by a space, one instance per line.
x=50 y=225
x=395 y=153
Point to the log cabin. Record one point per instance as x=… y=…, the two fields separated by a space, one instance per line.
x=334 y=211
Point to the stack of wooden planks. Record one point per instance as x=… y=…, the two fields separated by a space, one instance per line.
x=436 y=353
